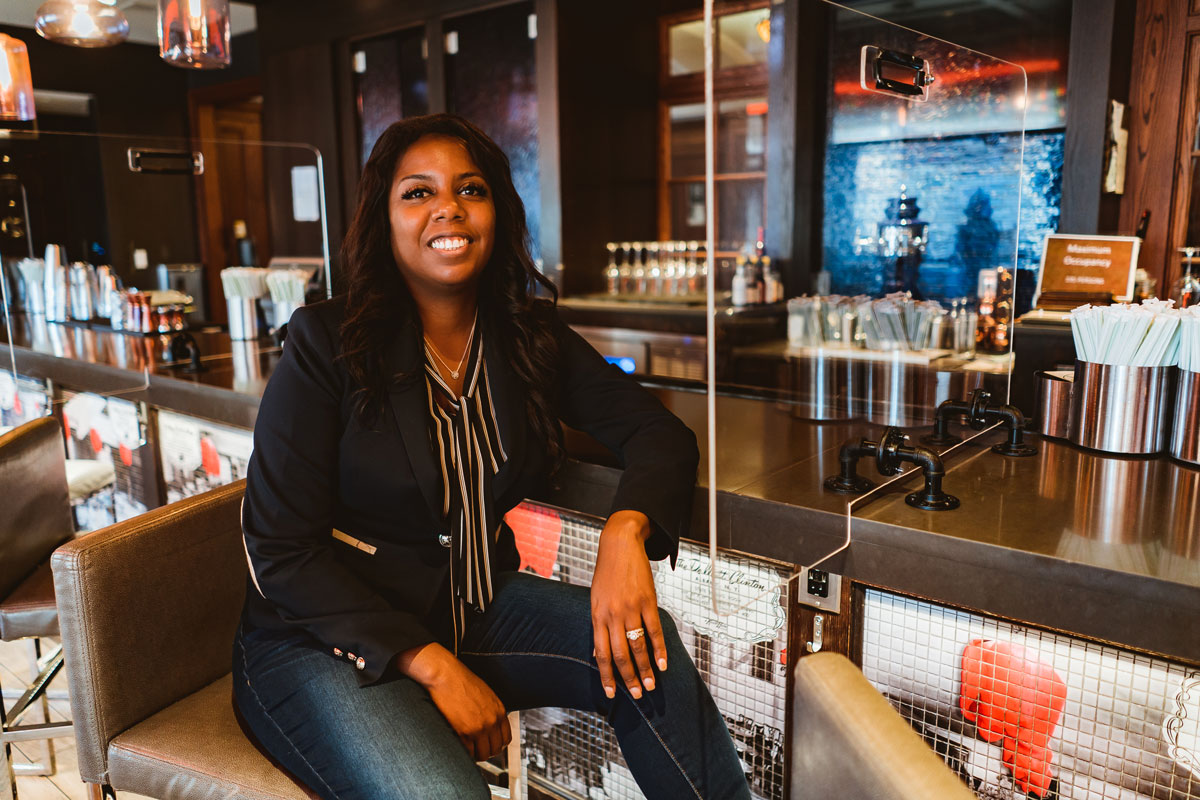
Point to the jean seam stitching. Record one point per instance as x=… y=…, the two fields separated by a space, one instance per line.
x=286 y=738
x=589 y=665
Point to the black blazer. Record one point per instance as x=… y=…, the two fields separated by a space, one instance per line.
x=380 y=585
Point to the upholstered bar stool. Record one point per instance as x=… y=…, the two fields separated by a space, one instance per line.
x=849 y=743
x=148 y=609
x=35 y=518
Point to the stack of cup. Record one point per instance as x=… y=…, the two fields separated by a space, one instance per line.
x=243 y=286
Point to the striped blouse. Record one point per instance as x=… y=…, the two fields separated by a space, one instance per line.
x=466 y=444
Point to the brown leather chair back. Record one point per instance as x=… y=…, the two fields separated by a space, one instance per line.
x=148 y=609
x=849 y=743
x=35 y=509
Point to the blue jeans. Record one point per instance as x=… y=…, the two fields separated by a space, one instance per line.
x=534 y=648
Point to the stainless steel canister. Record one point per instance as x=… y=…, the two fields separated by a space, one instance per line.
x=54 y=282
x=107 y=286
x=823 y=387
x=82 y=292
x=243 y=318
x=1121 y=409
x=282 y=313
x=1054 y=403
x=907 y=395
x=1185 y=433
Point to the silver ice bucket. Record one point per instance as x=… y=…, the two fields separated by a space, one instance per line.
x=243 y=318
x=1121 y=409
x=1185 y=433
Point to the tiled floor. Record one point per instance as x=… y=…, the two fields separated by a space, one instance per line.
x=65 y=783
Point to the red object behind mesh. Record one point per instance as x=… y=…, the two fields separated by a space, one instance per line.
x=1014 y=698
x=538 y=532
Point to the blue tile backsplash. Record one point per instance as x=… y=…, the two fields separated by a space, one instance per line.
x=970 y=189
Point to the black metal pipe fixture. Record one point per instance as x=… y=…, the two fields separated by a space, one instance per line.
x=980 y=413
x=890 y=454
x=183 y=347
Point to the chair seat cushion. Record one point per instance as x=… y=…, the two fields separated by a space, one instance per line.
x=30 y=610
x=85 y=477
x=195 y=750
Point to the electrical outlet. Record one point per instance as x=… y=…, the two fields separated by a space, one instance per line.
x=818 y=583
x=820 y=589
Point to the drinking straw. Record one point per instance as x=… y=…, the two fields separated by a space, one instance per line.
x=32 y=270
x=1189 y=339
x=1145 y=335
x=287 y=285
x=244 y=281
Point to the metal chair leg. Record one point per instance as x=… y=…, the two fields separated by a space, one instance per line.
x=516 y=766
x=8 y=778
x=47 y=765
x=11 y=729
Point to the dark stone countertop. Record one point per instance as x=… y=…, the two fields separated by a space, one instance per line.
x=1104 y=547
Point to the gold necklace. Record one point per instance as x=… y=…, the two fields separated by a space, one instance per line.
x=453 y=370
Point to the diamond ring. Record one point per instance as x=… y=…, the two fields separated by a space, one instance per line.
x=635 y=634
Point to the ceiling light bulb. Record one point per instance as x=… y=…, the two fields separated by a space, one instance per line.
x=194 y=33
x=16 y=85
x=82 y=23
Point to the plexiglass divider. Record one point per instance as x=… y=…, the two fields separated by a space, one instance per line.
x=117 y=251
x=828 y=395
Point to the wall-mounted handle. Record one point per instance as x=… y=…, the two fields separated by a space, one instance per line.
x=818 y=626
x=164 y=162
x=893 y=72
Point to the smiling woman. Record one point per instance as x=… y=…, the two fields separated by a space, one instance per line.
x=407 y=417
x=442 y=218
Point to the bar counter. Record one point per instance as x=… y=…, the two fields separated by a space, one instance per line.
x=1102 y=547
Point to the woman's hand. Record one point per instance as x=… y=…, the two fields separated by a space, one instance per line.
x=467 y=703
x=623 y=599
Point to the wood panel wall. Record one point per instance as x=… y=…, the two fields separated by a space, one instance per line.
x=1156 y=92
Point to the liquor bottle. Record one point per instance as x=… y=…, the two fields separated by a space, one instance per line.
x=1143 y=225
x=612 y=273
x=740 y=288
x=243 y=246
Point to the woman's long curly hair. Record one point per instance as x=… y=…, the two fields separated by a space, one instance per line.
x=379 y=305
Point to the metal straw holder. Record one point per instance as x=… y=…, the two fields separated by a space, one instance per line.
x=907 y=395
x=243 y=318
x=1121 y=409
x=824 y=387
x=1185 y=433
x=1054 y=404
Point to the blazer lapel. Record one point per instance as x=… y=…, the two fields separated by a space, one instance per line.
x=409 y=404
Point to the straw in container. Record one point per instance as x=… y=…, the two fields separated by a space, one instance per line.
x=1189 y=339
x=243 y=286
x=1145 y=335
x=32 y=273
x=287 y=285
x=287 y=292
x=244 y=281
x=1185 y=433
x=1124 y=376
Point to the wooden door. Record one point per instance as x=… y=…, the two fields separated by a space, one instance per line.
x=227 y=128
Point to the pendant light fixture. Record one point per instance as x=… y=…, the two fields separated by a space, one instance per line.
x=194 y=33
x=82 y=23
x=16 y=84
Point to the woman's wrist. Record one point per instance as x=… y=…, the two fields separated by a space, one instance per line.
x=426 y=664
x=628 y=523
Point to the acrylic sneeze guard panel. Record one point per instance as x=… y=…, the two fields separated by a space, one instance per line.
x=112 y=257
x=906 y=303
